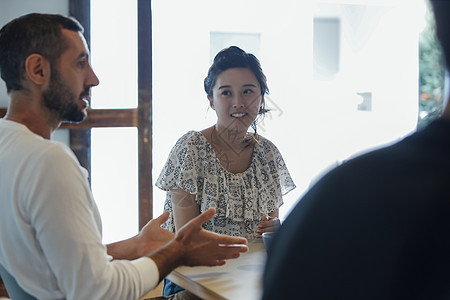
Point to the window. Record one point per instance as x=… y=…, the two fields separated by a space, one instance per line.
x=117 y=134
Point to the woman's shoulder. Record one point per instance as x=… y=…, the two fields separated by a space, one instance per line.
x=265 y=145
x=190 y=137
x=263 y=140
x=191 y=134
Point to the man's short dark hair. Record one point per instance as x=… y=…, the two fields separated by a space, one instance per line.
x=31 y=34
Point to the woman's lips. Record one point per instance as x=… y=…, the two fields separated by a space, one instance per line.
x=238 y=115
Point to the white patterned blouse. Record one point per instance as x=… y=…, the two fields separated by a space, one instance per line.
x=240 y=200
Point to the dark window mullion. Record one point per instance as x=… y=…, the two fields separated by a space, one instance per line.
x=80 y=139
x=145 y=111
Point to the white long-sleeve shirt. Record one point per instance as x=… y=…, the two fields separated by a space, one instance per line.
x=50 y=227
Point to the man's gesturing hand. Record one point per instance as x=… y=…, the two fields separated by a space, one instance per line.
x=195 y=246
x=203 y=247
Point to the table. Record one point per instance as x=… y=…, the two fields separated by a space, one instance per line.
x=239 y=278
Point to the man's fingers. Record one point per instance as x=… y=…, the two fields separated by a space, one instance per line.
x=232 y=250
x=225 y=239
x=217 y=263
x=202 y=218
x=241 y=247
x=230 y=255
x=220 y=257
x=229 y=251
x=163 y=218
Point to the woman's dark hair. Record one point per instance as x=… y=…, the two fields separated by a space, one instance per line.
x=235 y=57
x=31 y=34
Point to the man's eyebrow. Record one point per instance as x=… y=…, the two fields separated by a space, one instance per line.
x=83 y=55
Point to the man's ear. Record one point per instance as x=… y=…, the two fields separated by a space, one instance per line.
x=37 y=69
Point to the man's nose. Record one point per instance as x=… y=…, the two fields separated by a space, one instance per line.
x=92 y=79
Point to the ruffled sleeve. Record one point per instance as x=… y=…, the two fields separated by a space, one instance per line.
x=272 y=177
x=181 y=170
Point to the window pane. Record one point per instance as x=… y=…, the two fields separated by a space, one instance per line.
x=115 y=180
x=114 y=53
x=326 y=47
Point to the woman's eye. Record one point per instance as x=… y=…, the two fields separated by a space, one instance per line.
x=248 y=91
x=82 y=63
x=226 y=93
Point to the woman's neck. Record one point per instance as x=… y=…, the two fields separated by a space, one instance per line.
x=232 y=138
x=233 y=149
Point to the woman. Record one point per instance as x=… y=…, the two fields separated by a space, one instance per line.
x=240 y=174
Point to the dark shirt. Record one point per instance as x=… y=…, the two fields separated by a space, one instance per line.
x=376 y=227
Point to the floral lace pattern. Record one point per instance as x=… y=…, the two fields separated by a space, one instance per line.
x=240 y=200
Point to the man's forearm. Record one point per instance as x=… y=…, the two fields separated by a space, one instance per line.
x=167 y=258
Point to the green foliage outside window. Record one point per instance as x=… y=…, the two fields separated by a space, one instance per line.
x=431 y=73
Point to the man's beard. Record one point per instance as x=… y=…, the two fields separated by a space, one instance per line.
x=61 y=101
